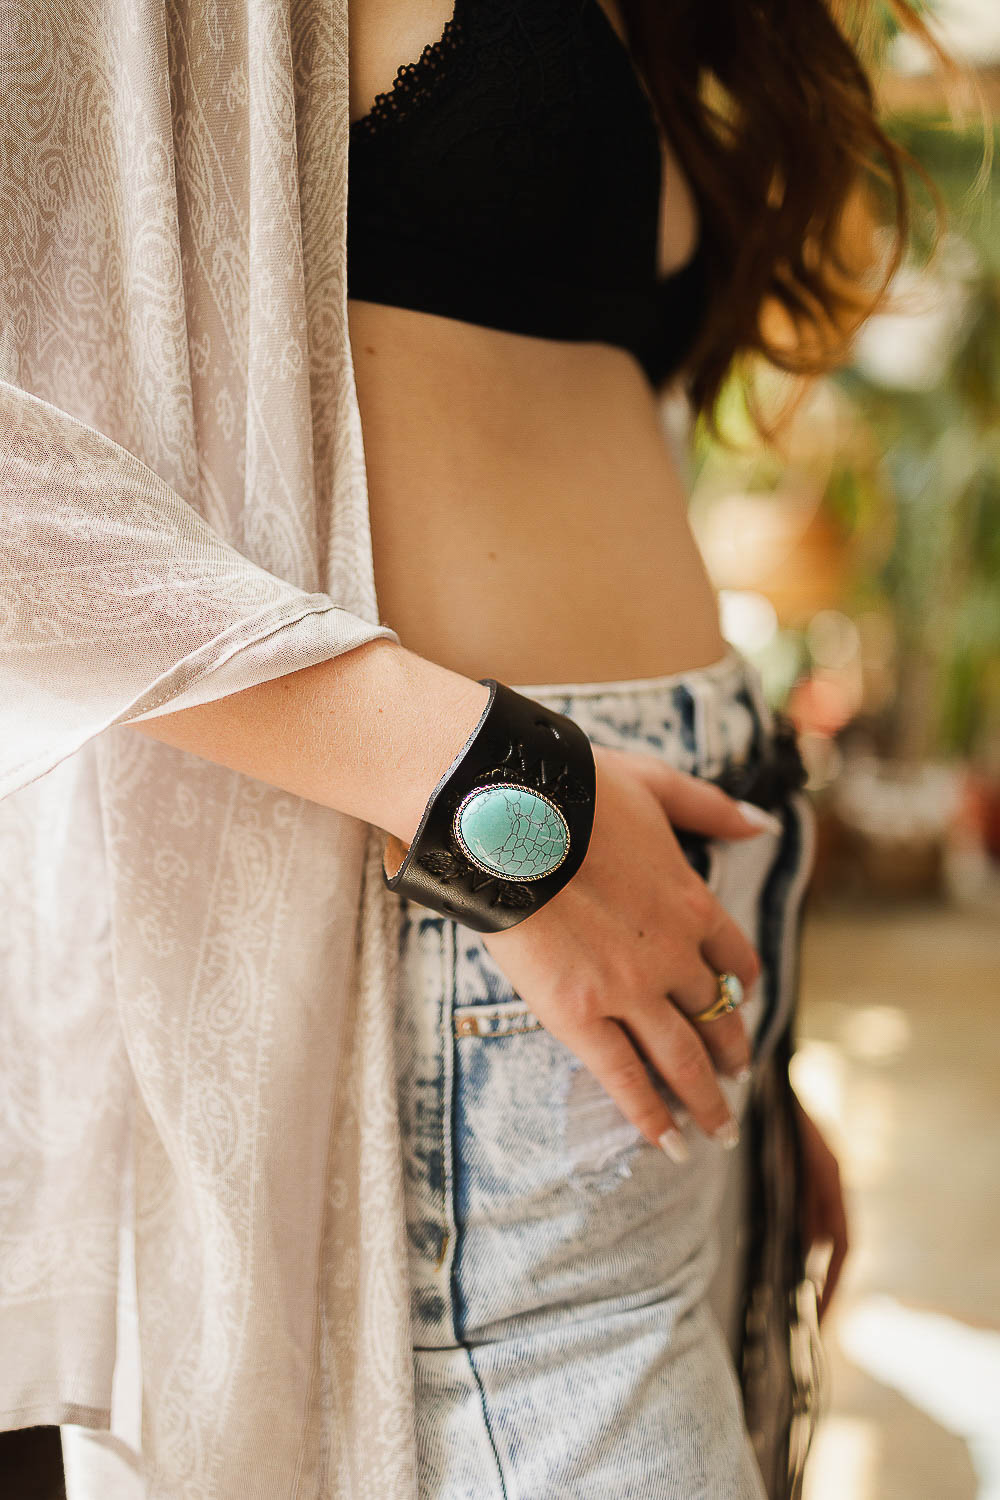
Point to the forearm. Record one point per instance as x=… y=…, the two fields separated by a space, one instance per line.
x=369 y=732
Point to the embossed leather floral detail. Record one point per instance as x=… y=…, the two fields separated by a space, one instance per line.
x=449 y=867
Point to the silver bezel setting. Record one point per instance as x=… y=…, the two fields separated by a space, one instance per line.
x=513 y=786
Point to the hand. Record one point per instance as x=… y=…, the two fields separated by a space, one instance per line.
x=617 y=962
x=822 y=1215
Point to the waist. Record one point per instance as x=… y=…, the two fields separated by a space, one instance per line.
x=529 y=515
x=713 y=721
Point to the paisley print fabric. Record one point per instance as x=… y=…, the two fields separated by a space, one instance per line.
x=196 y=1059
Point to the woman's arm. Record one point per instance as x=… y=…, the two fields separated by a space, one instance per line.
x=616 y=961
x=369 y=732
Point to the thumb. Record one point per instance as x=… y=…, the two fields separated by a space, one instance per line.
x=694 y=803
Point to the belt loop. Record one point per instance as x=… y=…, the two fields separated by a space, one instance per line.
x=707 y=729
x=755 y=687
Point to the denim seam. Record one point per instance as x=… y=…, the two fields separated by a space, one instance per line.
x=446 y=1106
x=486 y=1419
x=450 y=1042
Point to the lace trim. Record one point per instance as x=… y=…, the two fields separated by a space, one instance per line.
x=415 y=82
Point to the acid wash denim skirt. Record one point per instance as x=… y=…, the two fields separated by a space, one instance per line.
x=574 y=1291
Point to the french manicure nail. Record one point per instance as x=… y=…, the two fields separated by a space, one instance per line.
x=743 y=1074
x=758 y=816
x=728 y=1134
x=674 y=1144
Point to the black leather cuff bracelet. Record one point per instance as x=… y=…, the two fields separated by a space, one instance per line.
x=508 y=824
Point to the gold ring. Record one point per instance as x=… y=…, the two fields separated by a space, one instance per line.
x=730 y=996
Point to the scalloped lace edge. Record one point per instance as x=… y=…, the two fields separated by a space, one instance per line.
x=414 y=83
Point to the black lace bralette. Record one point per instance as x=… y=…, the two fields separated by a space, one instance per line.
x=511 y=178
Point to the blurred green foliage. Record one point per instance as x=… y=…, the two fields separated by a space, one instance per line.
x=915 y=490
x=938 y=467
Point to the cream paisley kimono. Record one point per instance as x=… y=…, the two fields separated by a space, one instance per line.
x=200 y=1157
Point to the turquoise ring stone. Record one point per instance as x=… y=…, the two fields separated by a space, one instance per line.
x=511 y=831
x=729 y=988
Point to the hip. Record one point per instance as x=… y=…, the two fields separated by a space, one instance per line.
x=577 y=1296
x=514 y=1154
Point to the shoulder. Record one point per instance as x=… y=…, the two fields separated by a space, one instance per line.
x=383 y=36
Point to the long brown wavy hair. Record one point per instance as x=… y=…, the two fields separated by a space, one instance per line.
x=771 y=110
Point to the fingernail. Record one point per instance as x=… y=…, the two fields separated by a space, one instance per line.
x=728 y=1134
x=674 y=1144
x=743 y=1074
x=760 y=818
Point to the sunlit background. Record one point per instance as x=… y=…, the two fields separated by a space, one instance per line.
x=861 y=571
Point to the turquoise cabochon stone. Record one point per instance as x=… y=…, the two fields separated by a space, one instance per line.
x=513 y=831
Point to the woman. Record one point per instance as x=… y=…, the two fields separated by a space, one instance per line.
x=528 y=524
x=485 y=344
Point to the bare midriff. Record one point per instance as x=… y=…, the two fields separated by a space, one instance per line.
x=528 y=514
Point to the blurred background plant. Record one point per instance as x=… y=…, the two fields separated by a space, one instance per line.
x=860 y=565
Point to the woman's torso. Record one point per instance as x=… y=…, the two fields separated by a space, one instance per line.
x=529 y=521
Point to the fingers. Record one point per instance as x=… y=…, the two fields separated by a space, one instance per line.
x=728 y=950
x=725 y=1036
x=677 y=1052
x=822 y=1208
x=832 y=1276
x=835 y=1221
x=724 y=949
x=698 y=804
x=603 y=1047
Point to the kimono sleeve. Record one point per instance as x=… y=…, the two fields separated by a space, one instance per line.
x=118 y=600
